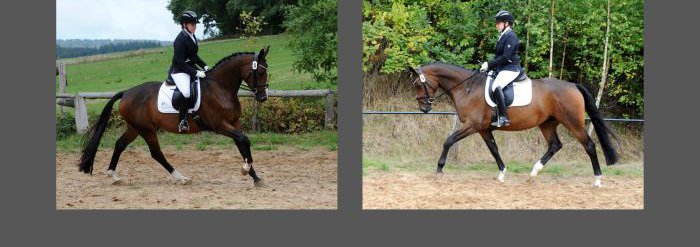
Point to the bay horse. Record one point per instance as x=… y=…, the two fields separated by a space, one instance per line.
x=553 y=102
x=219 y=112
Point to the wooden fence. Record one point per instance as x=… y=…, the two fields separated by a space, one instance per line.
x=77 y=101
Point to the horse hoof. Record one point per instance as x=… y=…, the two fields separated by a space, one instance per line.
x=117 y=182
x=439 y=175
x=532 y=179
x=244 y=172
x=184 y=181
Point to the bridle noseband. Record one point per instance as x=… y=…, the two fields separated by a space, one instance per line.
x=254 y=69
x=425 y=81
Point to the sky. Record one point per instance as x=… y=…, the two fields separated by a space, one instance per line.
x=109 y=19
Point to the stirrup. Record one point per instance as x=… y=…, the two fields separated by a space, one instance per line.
x=183 y=126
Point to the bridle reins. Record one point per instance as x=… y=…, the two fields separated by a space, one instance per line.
x=425 y=82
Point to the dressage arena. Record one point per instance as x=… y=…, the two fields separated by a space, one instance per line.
x=293 y=178
x=480 y=190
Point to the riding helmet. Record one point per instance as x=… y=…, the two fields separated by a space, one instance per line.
x=504 y=16
x=188 y=17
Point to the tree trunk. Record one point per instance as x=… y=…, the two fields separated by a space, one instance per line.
x=551 y=39
x=604 y=76
x=527 y=37
x=563 y=55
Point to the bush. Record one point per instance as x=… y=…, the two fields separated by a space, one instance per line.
x=290 y=115
x=65 y=125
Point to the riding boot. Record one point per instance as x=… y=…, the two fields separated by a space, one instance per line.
x=183 y=126
x=502 y=108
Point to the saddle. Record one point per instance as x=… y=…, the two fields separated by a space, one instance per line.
x=508 y=92
x=178 y=100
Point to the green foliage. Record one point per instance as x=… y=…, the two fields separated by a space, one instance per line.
x=65 y=125
x=250 y=27
x=313 y=27
x=286 y=115
x=224 y=14
x=400 y=33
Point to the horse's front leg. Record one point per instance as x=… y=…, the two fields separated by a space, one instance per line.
x=491 y=144
x=243 y=144
x=459 y=134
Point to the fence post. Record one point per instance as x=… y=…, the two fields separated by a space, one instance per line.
x=62 y=81
x=454 y=152
x=329 y=110
x=81 y=116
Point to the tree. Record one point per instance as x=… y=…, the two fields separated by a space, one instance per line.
x=312 y=26
x=224 y=14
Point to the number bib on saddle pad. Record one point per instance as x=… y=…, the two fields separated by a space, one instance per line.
x=517 y=93
x=165 y=96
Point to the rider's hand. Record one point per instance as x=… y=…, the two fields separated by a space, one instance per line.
x=206 y=68
x=484 y=66
x=200 y=74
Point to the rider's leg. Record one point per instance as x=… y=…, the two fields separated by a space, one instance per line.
x=182 y=80
x=502 y=79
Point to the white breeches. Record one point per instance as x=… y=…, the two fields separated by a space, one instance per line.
x=182 y=81
x=503 y=78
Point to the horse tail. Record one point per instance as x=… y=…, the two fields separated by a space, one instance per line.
x=601 y=129
x=91 y=139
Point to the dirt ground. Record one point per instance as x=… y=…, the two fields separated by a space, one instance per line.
x=480 y=190
x=293 y=179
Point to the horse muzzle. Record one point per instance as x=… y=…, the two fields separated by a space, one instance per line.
x=426 y=109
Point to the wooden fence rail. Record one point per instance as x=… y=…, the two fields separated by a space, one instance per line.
x=77 y=100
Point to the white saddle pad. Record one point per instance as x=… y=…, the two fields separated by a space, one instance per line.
x=165 y=95
x=522 y=93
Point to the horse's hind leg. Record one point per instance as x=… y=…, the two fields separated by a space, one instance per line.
x=243 y=144
x=152 y=140
x=580 y=133
x=549 y=131
x=119 y=147
x=491 y=144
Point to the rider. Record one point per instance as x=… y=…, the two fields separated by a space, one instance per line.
x=506 y=63
x=183 y=70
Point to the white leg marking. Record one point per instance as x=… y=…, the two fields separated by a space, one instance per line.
x=597 y=181
x=246 y=166
x=536 y=168
x=501 y=175
x=113 y=174
x=176 y=174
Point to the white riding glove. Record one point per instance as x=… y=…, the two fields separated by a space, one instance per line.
x=206 y=68
x=200 y=74
x=484 y=66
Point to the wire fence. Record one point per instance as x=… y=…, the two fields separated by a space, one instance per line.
x=454 y=113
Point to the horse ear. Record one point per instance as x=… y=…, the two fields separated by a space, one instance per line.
x=263 y=52
x=412 y=70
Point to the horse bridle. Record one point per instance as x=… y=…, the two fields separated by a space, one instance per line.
x=424 y=80
x=254 y=69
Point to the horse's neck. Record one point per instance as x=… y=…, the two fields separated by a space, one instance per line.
x=227 y=79
x=466 y=89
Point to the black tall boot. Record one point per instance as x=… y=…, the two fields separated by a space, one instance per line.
x=502 y=108
x=183 y=126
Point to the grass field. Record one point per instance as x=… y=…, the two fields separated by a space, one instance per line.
x=129 y=69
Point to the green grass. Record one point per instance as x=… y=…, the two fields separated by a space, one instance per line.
x=117 y=74
x=378 y=163
x=368 y=164
x=259 y=141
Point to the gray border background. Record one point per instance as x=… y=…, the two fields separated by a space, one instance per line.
x=28 y=150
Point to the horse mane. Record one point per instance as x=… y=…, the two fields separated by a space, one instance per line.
x=229 y=57
x=459 y=68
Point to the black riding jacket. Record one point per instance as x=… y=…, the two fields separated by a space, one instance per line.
x=185 y=56
x=506 y=53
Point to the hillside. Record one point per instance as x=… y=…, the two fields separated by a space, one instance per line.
x=119 y=71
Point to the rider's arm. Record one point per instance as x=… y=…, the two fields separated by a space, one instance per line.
x=199 y=61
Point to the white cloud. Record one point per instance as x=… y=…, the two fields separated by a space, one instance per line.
x=109 y=19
